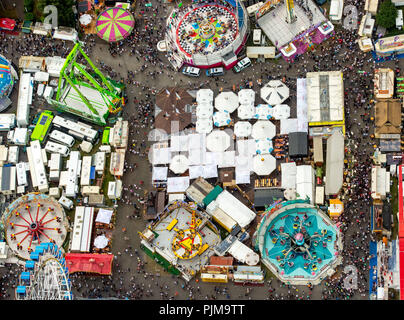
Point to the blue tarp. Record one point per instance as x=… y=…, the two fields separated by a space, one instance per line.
x=30 y=264
x=34 y=256
x=92 y=173
x=25 y=275
x=373 y=268
x=21 y=289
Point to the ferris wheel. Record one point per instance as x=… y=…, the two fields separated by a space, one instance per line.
x=46 y=275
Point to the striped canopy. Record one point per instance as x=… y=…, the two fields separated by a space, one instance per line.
x=114 y=24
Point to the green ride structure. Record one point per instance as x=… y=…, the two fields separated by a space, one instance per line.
x=87 y=94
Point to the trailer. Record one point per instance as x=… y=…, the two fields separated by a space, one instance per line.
x=53 y=147
x=24 y=102
x=76 y=129
x=85 y=171
x=21 y=169
x=61 y=137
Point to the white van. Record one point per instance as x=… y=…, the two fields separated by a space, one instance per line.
x=53 y=147
x=191 y=71
x=242 y=64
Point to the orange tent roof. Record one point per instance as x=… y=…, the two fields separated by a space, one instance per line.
x=89 y=262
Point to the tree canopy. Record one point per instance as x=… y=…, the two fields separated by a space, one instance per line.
x=66 y=16
x=386 y=16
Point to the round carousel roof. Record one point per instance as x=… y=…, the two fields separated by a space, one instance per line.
x=299 y=242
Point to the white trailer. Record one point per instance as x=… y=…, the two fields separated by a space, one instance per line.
x=24 y=102
x=74 y=166
x=21 y=169
x=55 y=162
x=85 y=171
x=77 y=229
x=53 y=147
x=20 y=136
x=13 y=152
x=37 y=167
x=99 y=160
x=66 y=202
x=87 y=229
x=62 y=138
x=76 y=129
x=7 y=121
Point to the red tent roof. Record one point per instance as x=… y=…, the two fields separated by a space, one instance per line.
x=6 y=23
x=221 y=261
x=89 y=262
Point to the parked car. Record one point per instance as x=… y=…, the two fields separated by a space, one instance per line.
x=191 y=71
x=214 y=72
x=242 y=64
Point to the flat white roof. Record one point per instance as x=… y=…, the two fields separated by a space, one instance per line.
x=235 y=208
x=325 y=96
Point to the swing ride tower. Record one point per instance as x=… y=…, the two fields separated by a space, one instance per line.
x=85 y=91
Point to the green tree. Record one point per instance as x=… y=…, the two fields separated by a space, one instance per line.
x=386 y=17
x=28 y=5
x=66 y=16
x=29 y=16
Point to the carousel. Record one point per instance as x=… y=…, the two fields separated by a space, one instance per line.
x=299 y=243
x=32 y=220
x=207 y=30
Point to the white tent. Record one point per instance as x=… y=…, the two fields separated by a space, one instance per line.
x=218 y=141
x=226 y=101
x=157 y=135
x=290 y=194
x=263 y=165
x=204 y=96
x=196 y=141
x=104 y=216
x=274 y=92
x=289 y=125
x=288 y=175
x=246 y=96
x=160 y=155
x=179 y=164
x=226 y=159
x=246 y=111
x=242 y=129
x=263 y=146
x=263 y=129
x=221 y=118
x=179 y=143
x=195 y=172
x=242 y=176
x=177 y=184
x=101 y=242
x=246 y=148
x=85 y=19
x=281 y=111
x=204 y=125
x=209 y=171
x=204 y=111
x=160 y=173
x=263 y=112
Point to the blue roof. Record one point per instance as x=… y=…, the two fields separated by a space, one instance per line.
x=92 y=173
x=21 y=289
